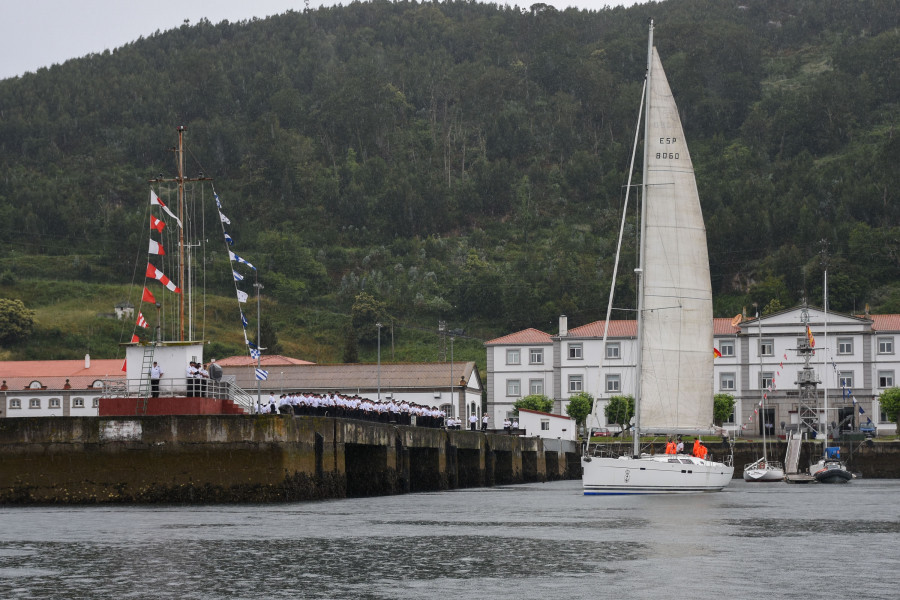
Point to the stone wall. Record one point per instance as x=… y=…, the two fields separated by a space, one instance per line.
x=261 y=458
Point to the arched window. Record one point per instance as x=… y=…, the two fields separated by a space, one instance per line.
x=97 y=384
x=55 y=403
x=472 y=409
x=34 y=403
x=35 y=385
x=78 y=402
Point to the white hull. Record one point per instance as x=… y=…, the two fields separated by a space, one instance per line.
x=764 y=474
x=658 y=474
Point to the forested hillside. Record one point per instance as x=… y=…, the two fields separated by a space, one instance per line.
x=461 y=161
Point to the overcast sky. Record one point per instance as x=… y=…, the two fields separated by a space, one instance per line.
x=41 y=33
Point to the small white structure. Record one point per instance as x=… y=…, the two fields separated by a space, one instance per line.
x=546 y=425
x=124 y=310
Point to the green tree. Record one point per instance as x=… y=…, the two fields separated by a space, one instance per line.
x=723 y=406
x=620 y=411
x=365 y=314
x=16 y=321
x=890 y=403
x=351 y=350
x=537 y=402
x=579 y=407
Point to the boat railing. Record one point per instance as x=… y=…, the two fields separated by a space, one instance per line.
x=763 y=463
x=178 y=387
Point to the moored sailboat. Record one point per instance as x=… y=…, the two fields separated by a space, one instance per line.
x=763 y=469
x=674 y=391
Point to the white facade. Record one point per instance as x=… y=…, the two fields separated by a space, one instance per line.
x=49 y=403
x=546 y=425
x=520 y=365
x=861 y=353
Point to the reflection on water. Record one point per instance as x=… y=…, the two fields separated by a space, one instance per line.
x=532 y=541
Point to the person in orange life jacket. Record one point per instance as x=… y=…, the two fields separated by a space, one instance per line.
x=670 y=447
x=697 y=445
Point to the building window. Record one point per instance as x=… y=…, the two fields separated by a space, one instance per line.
x=536 y=387
x=575 y=351
x=15 y=403
x=845 y=379
x=885 y=345
x=885 y=379
x=96 y=402
x=766 y=379
x=97 y=384
x=78 y=402
x=513 y=357
x=536 y=356
x=767 y=347
x=726 y=347
x=845 y=345
x=726 y=382
x=34 y=403
x=576 y=384
x=545 y=424
x=613 y=383
x=513 y=387
x=34 y=385
x=54 y=403
x=613 y=350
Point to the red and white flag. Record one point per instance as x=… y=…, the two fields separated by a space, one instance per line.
x=154 y=200
x=156 y=248
x=148 y=297
x=156 y=224
x=157 y=274
x=141 y=321
x=135 y=339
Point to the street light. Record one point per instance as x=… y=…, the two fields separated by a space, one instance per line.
x=378 y=325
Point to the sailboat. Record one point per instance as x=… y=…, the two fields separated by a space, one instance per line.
x=674 y=390
x=829 y=468
x=763 y=469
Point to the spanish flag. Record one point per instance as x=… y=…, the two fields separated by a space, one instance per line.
x=809 y=336
x=716 y=353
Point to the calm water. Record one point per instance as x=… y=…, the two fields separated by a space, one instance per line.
x=541 y=541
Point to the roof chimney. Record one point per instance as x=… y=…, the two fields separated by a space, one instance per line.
x=563 y=325
x=87 y=361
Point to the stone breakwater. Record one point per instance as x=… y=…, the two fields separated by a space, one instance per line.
x=260 y=458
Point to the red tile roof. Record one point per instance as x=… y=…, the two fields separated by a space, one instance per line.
x=526 y=336
x=274 y=360
x=52 y=374
x=884 y=322
x=617 y=328
x=723 y=326
x=537 y=412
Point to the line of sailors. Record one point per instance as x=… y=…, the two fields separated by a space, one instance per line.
x=196 y=376
x=352 y=407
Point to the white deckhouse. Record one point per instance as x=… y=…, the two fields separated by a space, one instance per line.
x=855 y=363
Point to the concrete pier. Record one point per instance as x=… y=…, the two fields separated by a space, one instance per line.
x=261 y=458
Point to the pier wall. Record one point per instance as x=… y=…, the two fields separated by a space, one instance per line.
x=260 y=458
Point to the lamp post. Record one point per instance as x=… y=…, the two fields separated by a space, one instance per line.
x=378 y=325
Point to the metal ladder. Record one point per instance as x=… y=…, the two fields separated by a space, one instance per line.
x=144 y=382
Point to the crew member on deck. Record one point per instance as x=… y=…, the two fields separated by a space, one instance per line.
x=473 y=422
x=156 y=374
x=484 y=422
x=670 y=447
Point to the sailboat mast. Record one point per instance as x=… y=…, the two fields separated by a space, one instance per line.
x=762 y=390
x=825 y=365
x=179 y=160
x=636 y=444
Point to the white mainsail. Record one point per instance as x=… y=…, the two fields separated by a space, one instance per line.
x=676 y=385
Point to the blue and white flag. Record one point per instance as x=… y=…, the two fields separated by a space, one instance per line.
x=228 y=239
x=262 y=374
x=861 y=411
x=216 y=196
x=235 y=257
x=255 y=354
x=242 y=296
x=224 y=218
x=244 y=319
x=237 y=276
x=249 y=343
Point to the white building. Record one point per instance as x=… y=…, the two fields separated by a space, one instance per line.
x=861 y=363
x=546 y=425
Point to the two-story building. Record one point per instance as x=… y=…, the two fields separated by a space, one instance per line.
x=855 y=362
